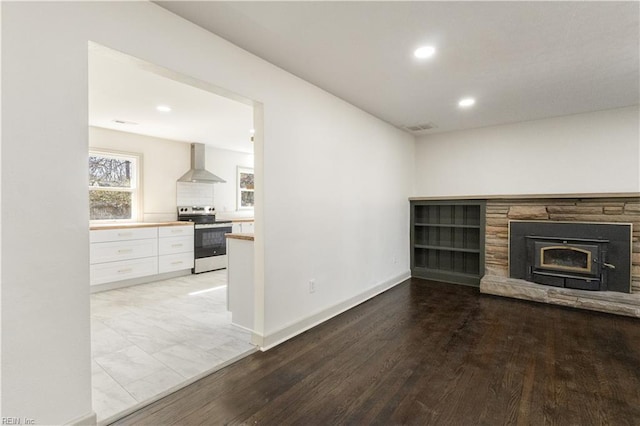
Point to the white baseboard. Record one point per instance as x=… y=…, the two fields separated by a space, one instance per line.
x=89 y=420
x=137 y=281
x=257 y=340
x=270 y=340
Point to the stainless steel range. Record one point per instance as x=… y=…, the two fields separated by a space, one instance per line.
x=210 y=246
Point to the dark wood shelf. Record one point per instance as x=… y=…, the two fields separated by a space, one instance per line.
x=447 y=276
x=447 y=241
x=460 y=249
x=446 y=225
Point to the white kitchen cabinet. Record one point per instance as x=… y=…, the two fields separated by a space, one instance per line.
x=173 y=245
x=127 y=253
x=113 y=251
x=108 y=235
x=121 y=254
x=175 y=262
x=242 y=227
x=247 y=227
x=102 y=273
x=175 y=248
x=176 y=231
x=240 y=287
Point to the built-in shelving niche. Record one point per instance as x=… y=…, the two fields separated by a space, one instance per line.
x=447 y=241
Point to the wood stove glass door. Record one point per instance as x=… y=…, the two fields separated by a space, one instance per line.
x=565 y=258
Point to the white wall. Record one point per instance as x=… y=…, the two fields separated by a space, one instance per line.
x=336 y=205
x=224 y=163
x=597 y=152
x=1 y=133
x=335 y=184
x=45 y=258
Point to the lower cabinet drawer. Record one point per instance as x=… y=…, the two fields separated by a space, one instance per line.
x=175 y=262
x=123 y=270
x=175 y=231
x=104 y=235
x=122 y=250
x=175 y=245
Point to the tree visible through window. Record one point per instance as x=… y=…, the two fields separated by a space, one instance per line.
x=112 y=186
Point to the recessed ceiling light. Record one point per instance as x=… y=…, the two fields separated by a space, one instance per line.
x=424 y=52
x=163 y=108
x=466 y=102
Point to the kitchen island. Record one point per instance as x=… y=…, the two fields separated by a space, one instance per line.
x=240 y=287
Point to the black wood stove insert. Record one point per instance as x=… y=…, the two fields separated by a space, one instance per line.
x=585 y=256
x=567 y=262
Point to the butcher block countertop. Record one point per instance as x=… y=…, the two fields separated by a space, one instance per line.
x=97 y=227
x=239 y=236
x=244 y=219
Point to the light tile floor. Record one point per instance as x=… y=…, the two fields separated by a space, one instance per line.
x=148 y=339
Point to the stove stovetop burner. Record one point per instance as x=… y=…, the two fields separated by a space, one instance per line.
x=198 y=214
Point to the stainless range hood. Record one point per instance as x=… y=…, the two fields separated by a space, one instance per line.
x=197 y=173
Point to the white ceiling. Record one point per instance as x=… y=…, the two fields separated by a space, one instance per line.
x=127 y=89
x=520 y=60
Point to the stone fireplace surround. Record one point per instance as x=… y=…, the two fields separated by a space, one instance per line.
x=580 y=208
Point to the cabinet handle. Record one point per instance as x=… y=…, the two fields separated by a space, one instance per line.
x=122 y=271
x=125 y=234
x=177 y=262
x=176 y=245
x=176 y=231
x=125 y=251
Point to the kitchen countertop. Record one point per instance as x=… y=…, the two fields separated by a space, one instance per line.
x=101 y=226
x=243 y=219
x=239 y=236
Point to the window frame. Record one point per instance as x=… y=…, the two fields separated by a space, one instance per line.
x=135 y=189
x=239 y=189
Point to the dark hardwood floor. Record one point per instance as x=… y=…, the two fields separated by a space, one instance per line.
x=429 y=353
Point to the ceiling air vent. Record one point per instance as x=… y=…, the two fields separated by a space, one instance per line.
x=420 y=127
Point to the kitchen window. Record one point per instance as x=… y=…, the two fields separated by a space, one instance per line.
x=113 y=186
x=245 y=188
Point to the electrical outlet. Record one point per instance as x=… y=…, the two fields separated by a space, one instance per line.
x=312 y=286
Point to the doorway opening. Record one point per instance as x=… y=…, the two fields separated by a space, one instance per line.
x=155 y=331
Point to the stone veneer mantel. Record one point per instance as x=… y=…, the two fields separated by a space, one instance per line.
x=526 y=196
x=602 y=301
x=618 y=209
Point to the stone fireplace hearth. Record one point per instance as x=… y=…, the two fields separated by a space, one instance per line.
x=497 y=279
